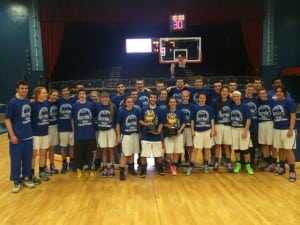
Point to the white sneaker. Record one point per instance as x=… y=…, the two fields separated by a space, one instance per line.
x=16 y=187
x=28 y=183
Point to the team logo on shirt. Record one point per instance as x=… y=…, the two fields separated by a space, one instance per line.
x=65 y=111
x=264 y=112
x=84 y=117
x=104 y=118
x=202 y=119
x=253 y=109
x=131 y=123
x=236 y=118
x=43 y=116
x=195 y=98
x=26 y=114
x=224 y=114
x=177 y=96
x=53 y=113
x=278 y=113
x=144 y=99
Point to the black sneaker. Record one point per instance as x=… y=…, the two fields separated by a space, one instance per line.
x=161 y=170
x=143 y=172
x=17 y=187
x=122 y=176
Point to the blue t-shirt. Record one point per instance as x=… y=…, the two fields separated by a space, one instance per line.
x=53 y=113
x=143 y=98
x=239 y=115
x=118 y=100
x=272 y=95
x=105 y=120
x=128 y=121
x=252 y=103
x=40 y=118
x=281 y=113
x=64 y=114
x=159 y=118
x=195 y=94
x=176 y=93
x=222 y=116
x=19 y=113
x=264 y=110
x=202 y=117
x=83 y=116
x=163 y=105
x=187 y=111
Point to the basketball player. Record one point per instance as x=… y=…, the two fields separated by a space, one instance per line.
x=18 y=124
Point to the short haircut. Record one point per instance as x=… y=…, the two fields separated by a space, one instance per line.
x=21 y=82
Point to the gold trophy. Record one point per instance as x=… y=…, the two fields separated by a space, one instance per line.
x=172 y=121
x=149 y=117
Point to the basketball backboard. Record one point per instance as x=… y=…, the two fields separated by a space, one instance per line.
x=187 y=48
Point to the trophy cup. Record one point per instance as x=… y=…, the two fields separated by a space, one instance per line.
x=172 y=121
x=149 y=117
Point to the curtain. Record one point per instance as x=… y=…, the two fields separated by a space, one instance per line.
x=252 y=32
x=52 y=36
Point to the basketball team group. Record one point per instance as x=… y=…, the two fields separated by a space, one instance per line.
x=172 y=124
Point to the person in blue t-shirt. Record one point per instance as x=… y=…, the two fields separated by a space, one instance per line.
x=175 y=91
x=127 y=133
x=265 y=130
x=203 y=131
x=143 y=93
x=174 y=126
x=18 y=124
x=223 y=138
x=106 y=122
x=118 y=99
x=151 y=120
x=40 y=126
x=83 y=114
x=252 y=102
x=276 y=82
x=240 y=117
x=66 y=135
x=186 y=107
x=284 y=116
x=162 y=101
x=199 y=88
x=52 y=129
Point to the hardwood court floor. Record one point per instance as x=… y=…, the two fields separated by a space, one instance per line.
x=214 y=198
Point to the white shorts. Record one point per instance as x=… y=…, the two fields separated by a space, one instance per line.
x=281 y=140
x=265 y=133
x=107 y=138
x=151 y=148
x=174 y=144
x=239 y=143
x=130 y=144
x=66 y=138
x=187 y=137
x=203 y=139
x=40 y=142
x=224 y=135
x=53 y=135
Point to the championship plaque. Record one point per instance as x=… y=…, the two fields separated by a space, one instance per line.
x=149 y=117
x=172 y=121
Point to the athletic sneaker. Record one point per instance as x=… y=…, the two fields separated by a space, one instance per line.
x=104 y=172
x=122 y=176
x=111 y=172
x=237 y=167
x=292 y=177
x=53 y=170
x=64 y=168
x=17 y=187
x=205 y=168
x=43 y=176
x=161 y=170
x=229 y=168
x=272 y=169
x=28 y=183
x=173 y=170
x=47 y=172
x=85 y=167
x=143 y=172
x=79 y=173
x=71 y=166
x=36 y=180
x=92 y=173
x=216 y=166
x=280 y=171
x=249 y=169
x=264 y=166
x=189 y=171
